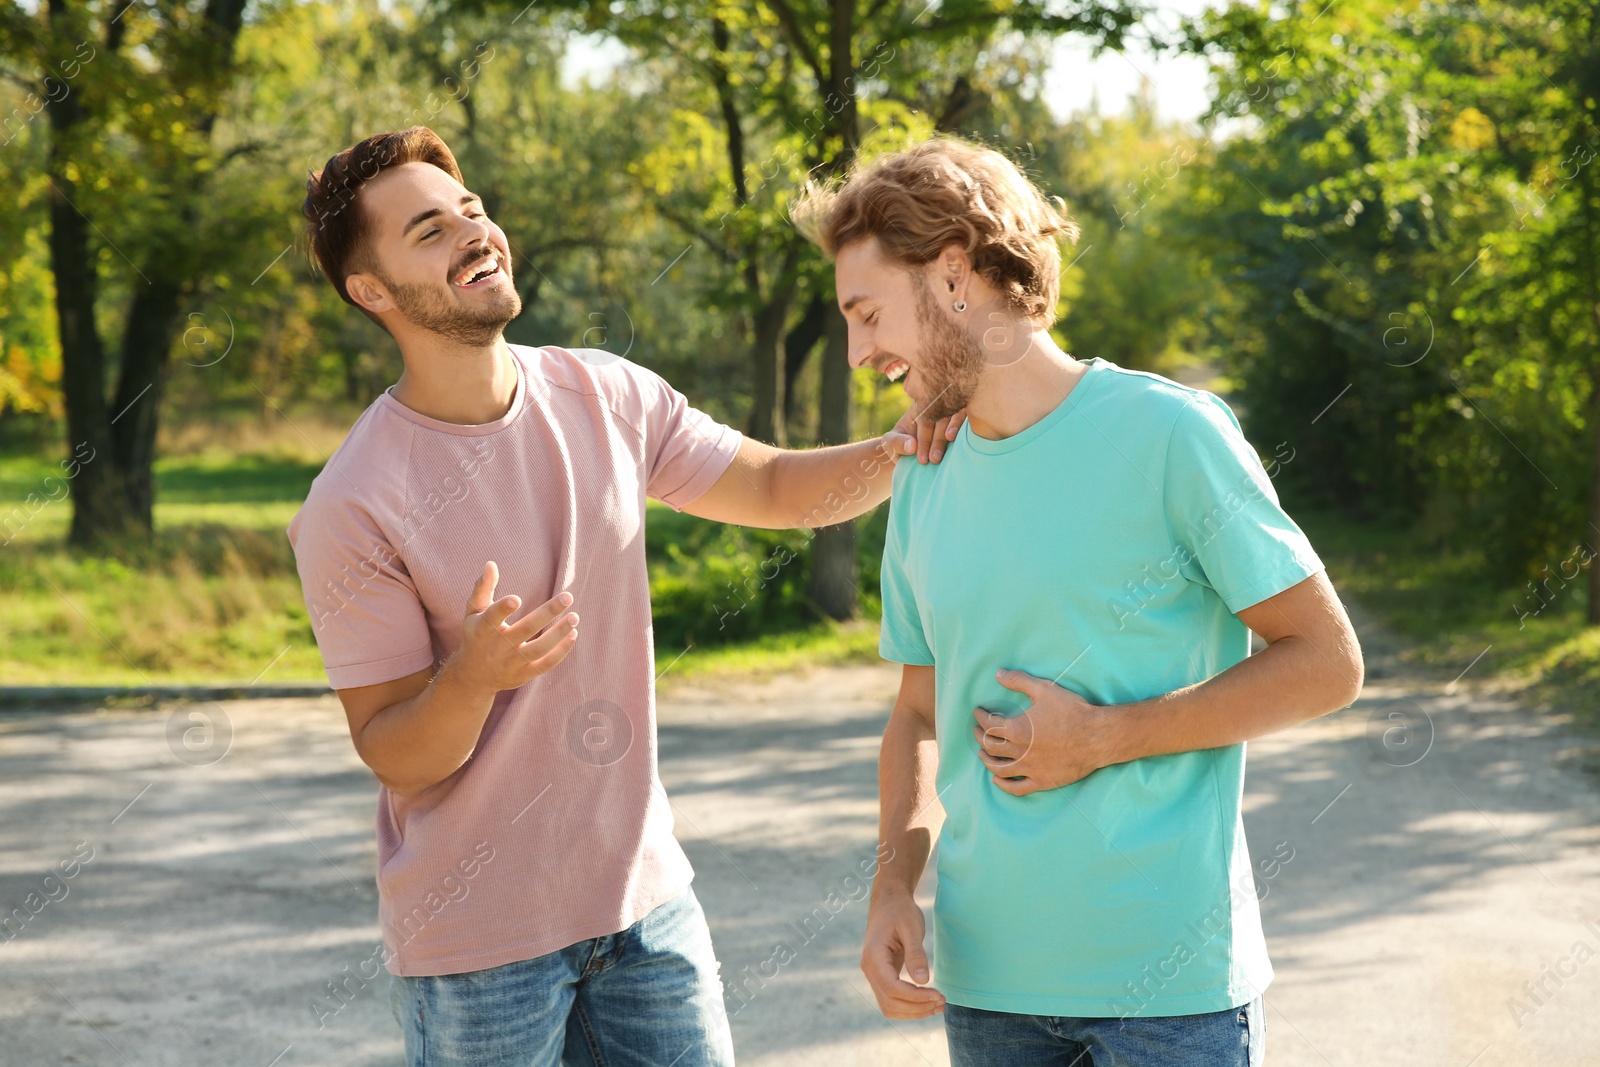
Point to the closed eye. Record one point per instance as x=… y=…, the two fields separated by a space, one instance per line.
x=430 y=233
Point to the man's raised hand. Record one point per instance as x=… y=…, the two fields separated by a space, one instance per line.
x=497 y=654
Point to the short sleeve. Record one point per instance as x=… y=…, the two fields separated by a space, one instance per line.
x=686 y=450
x=1223 y=512
x=367 y=618
x=901 y=639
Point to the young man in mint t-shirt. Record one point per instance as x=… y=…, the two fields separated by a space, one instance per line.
x=1072 y=593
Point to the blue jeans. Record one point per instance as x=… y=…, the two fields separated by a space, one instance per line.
x=649 y=995
x=1235 y=1037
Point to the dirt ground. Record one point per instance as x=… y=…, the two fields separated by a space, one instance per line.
x=1442 y=905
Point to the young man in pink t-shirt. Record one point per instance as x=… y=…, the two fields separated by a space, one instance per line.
x=535 y=905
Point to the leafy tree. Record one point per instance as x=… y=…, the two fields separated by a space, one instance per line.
x=131 y=95
x=1406 y=230
x=1134 y=287
x=783 y=88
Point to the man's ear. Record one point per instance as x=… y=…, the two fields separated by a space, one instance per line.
x=954 y=266
x=368 y=292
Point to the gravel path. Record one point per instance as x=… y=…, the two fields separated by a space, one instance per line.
x=1441 y=860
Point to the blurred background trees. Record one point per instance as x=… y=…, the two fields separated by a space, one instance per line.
x=1409 y=226
x=1380 y=243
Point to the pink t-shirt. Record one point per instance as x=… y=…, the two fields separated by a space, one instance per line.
x=557 y=828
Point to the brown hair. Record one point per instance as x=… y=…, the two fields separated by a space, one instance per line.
x=943 y=191
x=338 y=235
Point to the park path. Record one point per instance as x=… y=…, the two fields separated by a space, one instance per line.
x=1441 y=860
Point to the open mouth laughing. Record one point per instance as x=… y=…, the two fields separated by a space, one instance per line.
x=484 y=272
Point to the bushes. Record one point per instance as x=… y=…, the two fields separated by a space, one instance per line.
x=216 y=597
x=712 y=584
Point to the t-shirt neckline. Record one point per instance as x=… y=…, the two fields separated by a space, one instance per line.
x=477 y=429
x=988 y=447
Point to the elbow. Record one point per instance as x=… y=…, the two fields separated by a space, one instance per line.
x=1331 y=675
x=403 y=787
x=914 y=723
x=1358 y=676
x=1351 y=675
x=398 y=784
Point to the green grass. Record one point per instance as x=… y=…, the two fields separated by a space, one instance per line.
x=1437 y=601
x=820 y=644
x=216 y=598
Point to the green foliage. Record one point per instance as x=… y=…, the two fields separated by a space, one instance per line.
x=1384 y=236
x=712 y=584
x=1451 y=615
x=1405 y=234
x=30 y=360
x=215 y=596
x=1133 y=290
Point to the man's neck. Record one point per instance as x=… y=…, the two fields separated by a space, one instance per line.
x=1013 y=397
x=457 y=383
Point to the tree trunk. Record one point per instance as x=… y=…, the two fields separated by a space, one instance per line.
x=833 y=552
x=766 y=355
x=146 y=342
x=1590 y=192
x=1592 y=614
x=961 y=104
x=1589 y=209
x=771 y=310
x=102 y=509
x=841 y=86
x=797 y=346
x=113 y=491
x=767 y=350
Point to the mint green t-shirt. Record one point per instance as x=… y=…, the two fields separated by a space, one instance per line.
x=1105 y=547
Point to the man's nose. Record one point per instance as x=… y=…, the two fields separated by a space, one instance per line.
x=859 y=353
x=475 y=232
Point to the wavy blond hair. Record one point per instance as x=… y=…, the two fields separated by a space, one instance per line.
x=948 y=191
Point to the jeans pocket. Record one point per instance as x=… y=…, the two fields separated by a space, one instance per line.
x=1253 y=1032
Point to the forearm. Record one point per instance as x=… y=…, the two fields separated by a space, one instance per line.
x=1286 y=683
x=910 y=813
x=824 y=486
x=418 y=743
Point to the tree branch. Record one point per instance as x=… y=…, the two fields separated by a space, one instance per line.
x=117 y=26
x=791 y=26
x=696 y=230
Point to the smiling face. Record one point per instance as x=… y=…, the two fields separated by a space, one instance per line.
x=897 y=327
x=433 y=256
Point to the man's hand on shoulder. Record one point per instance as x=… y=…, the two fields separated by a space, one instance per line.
x=927 y=438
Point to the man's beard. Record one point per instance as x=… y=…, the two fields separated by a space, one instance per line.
x=951 y=361
x=466 y=324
